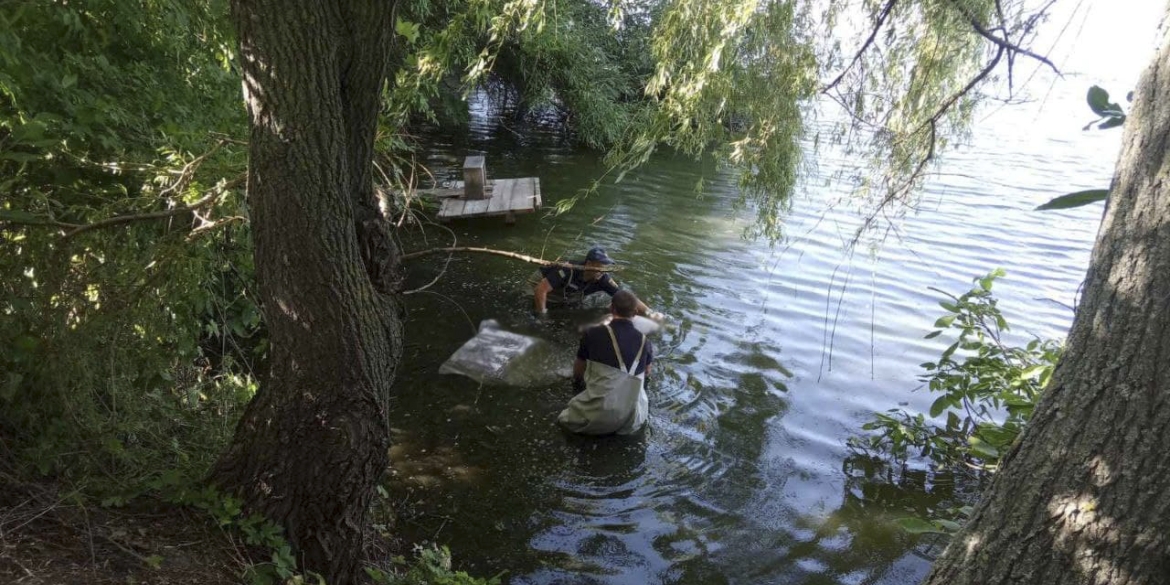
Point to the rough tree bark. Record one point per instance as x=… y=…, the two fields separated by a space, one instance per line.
x=313 y=441
x=1084 y=497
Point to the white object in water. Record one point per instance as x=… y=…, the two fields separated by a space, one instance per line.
x=643 y=324
x=496 y=356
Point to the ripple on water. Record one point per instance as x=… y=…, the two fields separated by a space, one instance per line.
x=776 y=356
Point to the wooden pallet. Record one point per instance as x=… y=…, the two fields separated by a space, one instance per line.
x=508 y=197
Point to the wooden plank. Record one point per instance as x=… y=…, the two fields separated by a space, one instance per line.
x=452 y=207
x=501 y=199
x=476 y=207
x=511 y=196
x=522 y=201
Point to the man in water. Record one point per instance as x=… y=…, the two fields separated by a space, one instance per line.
x=569 y=286
x=609 y=375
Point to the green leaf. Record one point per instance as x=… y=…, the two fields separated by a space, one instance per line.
x=1099 y=102
x=945 y=321
x=918 y=526
x=948 y=525
x=981 y=449
x=20 y=157
x=932 y=334
x=953 y=420
x=1112 y=122
x=942 y=403
x=986 y=282
x=949 y=306
x=1075 y=199
x=1033 y=371
x=407 y=30
x=18 y=216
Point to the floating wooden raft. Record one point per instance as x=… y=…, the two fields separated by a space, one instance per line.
x=483 y=198
x=508 y=197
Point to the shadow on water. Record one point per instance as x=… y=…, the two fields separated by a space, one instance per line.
x=742 y=475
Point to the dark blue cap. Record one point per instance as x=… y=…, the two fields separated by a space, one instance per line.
x=598 y=255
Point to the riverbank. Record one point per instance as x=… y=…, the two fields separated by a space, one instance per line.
x=50 y=535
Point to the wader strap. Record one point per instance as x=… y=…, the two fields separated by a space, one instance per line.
x=617 y=350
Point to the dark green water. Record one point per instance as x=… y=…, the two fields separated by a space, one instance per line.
x=779 y=355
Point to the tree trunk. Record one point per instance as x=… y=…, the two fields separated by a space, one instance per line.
x=1084 y=497
x=313 y=441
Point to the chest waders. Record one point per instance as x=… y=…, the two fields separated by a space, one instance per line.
x=614 y=400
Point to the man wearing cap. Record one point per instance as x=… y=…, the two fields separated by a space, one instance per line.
x=570 y=286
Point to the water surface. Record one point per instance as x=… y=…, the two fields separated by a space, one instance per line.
x=779 y=354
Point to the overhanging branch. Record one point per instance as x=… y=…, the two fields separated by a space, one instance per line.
x=1003 y=43
x=881 y=20
x=506 y=254
x=121 y=219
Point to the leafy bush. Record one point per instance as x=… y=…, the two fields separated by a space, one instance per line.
x=986 y=389
x=113 y=365
x=432 y=566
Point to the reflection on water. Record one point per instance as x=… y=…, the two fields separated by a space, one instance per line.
x=778 y=354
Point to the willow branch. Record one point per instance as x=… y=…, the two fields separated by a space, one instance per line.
x=1003 y=43
x=946 y=106
x=506 y=254
x=121 y=219
x=881 y=20
x=1011 y=56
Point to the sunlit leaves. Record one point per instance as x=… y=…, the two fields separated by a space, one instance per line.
x=105 y=105
x=986 y=387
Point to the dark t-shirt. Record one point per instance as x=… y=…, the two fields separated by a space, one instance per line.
x=571 y=282
x=597 y=346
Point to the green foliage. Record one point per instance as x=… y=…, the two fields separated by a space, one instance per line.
x=1110 y=116
x=111 y=368
x=432 y=566
x=559 y=56
x=1076 y=199
x=986 y=389
x=177 y=487
x=730 y=78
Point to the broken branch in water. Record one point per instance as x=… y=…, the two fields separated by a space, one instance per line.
x=513 y=255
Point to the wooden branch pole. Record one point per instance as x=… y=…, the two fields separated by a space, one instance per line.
x=513 y=255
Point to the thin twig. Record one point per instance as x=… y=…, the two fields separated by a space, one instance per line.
x=188 y=170
x=881 y=20
x=1003 y=43
x=983 y=73
x=454 y=242
x=457 y=306
x=513 y=255
x=210 y=225
x=121 y=219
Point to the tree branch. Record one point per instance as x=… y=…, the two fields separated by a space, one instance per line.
x=513 y=255
x=983 y=73
x=881 y=20
x=121 y=219
x=1004 y=43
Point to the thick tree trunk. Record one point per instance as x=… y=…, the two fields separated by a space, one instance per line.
x=1084 y=497
x=313 y=441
